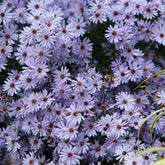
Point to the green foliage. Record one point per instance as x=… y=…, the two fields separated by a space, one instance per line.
x=145 y=119
x=160 y=162
x=161 y=72
x=154 y=122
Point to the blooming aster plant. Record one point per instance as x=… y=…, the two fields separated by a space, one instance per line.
x=68 y=70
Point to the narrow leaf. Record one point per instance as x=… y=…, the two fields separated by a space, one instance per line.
x=149 y=150
x=161 y=72
x=154 y=122
x=148 y=118
x=160 y=162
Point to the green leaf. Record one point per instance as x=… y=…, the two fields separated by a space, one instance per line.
x=161 y=72
x=154 y=122
x=148 y=150
x=145 y=119
x=160 y=162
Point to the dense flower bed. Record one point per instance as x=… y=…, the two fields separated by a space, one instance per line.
x=68 y=70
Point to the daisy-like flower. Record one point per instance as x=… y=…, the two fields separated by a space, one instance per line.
x=68 y=156
x=125 y=100
x=80 y=84
x=27 y=81
x=89 y=127
x=82 y=48
x=32 y=102
x=160 y=97
x=62 y=91
x=62 y=75
x=115 y=13
x=149 y=11
x=45 y=99
x=5 y=15
x=5 y=50
x=106 y=125
x=97 y=149
x=40 y=127
x=136 y=72
x=133 y=55
x=22 y=54
x=46 y=37
x=82 y=144
x=158 y=34
x=78 y=26
x=36 y=5
x=11 y=87
x=98 y=16
x=134 y=161
x=12 y=144
x=120 y=128
x=35 y=143
x=30 y=159
x=9 y=35
x=65 y=32
x=138 y=6
x=122 y=73
x=41 y=54
x=40 y=70
x=123 y=151
x=20 y=15
x=66 y=131
x=74 y=115
x=113 y=34
x=28 y=124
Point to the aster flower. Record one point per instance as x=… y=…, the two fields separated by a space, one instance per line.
x=28 y=124
x=5 y=50
x=106 y=125
x=62 y=75
x=82 y=145
x=11 y=87
x=123 y=151
x=115 y=13
x=20 y=15
x=113 y=34
x=125 y=100
x=159 y=34
x=89 y=127
x=65 y=131
x=138 y=6
x=80 y=84
x=132 y=161
x=98 y=16
x=136 y=72
x=73 y=115
x=149 y=11
x=5 y=15
x=62 y=91
x=9 y=35
x=65 y=32
x=46 y=37
x=27 y=81
x=30 y=159
x=40 y=127
x=35 y=142
x=121 y=74
x=22 y=54
x=97 y=149
x=36 y=5
x=12 y=144
x=69 y=156
x=82 y=48
x=120 y=128
x=78 y=26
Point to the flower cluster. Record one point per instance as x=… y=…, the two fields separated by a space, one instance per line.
x=68 y=73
